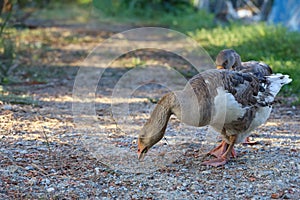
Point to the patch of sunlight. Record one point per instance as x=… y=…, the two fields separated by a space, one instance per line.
x=106 y=100
x=272 y=124
x=280 y=123
x=63 y=98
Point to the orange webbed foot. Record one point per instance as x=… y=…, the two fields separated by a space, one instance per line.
x=221 y=149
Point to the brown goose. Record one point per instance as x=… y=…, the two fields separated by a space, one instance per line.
x=232 y=102
x=230 y=59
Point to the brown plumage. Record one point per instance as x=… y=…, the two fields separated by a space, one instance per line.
x=230 y=59
x=229 y=101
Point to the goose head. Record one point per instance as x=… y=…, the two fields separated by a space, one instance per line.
x=228 y=59
x=147 y=139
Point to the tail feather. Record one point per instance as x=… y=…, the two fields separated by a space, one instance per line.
x=272 y=87
x=276 y=81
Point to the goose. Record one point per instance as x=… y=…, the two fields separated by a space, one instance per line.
x=230 y=59
x=232 y=102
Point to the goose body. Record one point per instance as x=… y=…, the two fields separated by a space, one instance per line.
x=233 y=103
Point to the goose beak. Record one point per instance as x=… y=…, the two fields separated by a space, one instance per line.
x=142 y=153
x=220 y=67
x=142 y=150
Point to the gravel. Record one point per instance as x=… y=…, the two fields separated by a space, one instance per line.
x=34 y=167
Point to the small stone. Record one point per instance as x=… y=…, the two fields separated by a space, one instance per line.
x=19 y=159
x=20 y=143
x=182 y=188
x=206 y=172
x=111 y=188
x=32 y=181
x=195 y=187
x=201 y=191
x=97 y=170
x=185 y=184
x=23 y=152
x=290 y=112
x=7 y=107
x=118 y=182
x=51 y=189
x=124 y=188
x=29 y=167
x=45 y=181
x=286 y=196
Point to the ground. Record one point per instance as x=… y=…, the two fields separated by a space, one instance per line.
x=46 y=154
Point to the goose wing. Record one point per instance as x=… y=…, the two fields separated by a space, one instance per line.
x=259 y=69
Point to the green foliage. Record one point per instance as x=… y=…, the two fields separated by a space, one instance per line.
x=6 y=48
x=7 y=57
x=273 y=45
x=148 y=8
x=176 y=14
x=191 y=21
x=69 y=13
x=18 y=99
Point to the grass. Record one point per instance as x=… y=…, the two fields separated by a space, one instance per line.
x=68 y=13
x=186 y=19
x=16 y=98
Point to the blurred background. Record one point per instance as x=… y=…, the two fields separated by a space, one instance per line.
x=37 y=36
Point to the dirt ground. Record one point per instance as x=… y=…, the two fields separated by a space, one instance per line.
x=49 y=152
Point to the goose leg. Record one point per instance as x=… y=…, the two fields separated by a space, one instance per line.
x=221 y=149
x=222 y=160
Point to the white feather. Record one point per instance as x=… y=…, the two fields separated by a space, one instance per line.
x=277 y=81
x=226 y=109
x=272 y=89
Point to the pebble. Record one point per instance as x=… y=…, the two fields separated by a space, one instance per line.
x=19 y=159
x=51 y=189
x=255 y=175
x=112 y=188
x=201 y=191
x=195 y=187
x=7 y=107
x=23 y=152
x=124 y=188
x=46 y=181
x=29 y=167
x=286 y=196
x=185 y=184
x=97 y=170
